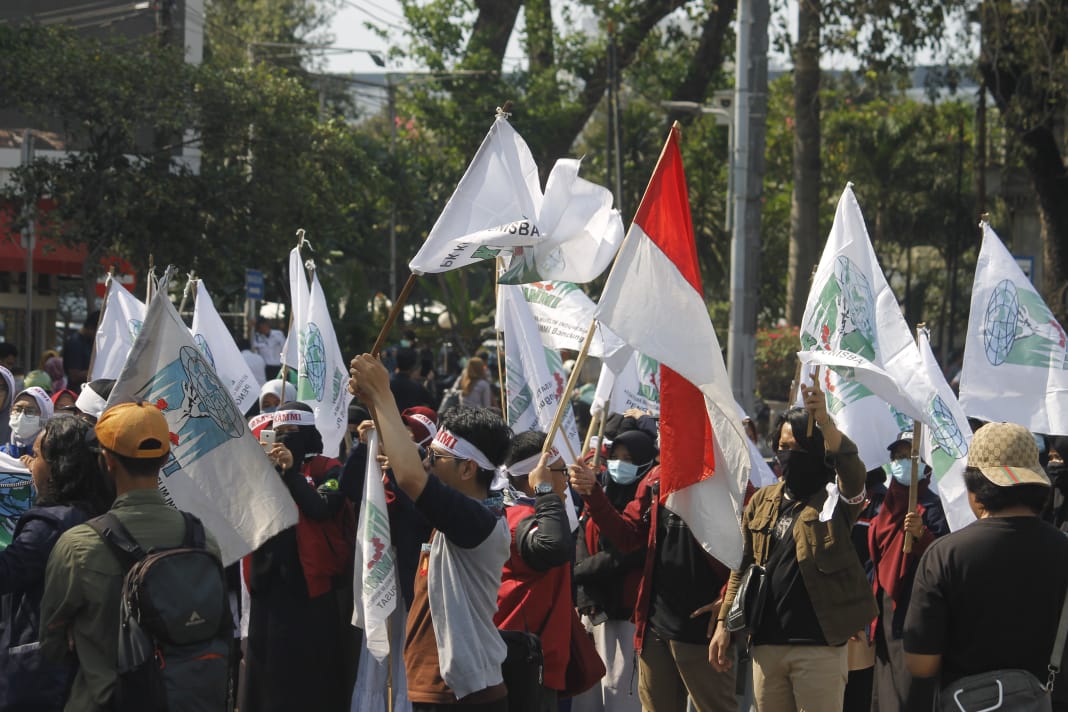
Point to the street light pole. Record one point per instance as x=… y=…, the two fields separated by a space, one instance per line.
x=747 y=171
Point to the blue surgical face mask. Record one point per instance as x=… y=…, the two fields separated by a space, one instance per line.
x=901 y=470
x=622 y=473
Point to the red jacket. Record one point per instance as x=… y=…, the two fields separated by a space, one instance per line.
x=537 y=602
x=629 y=530
x=326 y=547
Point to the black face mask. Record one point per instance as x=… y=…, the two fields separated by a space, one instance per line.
x=1058 y=475
x=805 y=474
x=297 y=443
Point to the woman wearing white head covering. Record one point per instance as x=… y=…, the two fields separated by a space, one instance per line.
x=274 y=392
x=30 y=410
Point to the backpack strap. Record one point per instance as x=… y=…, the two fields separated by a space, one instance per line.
x=1058 y=645
x=122 y=543
x=194 y=532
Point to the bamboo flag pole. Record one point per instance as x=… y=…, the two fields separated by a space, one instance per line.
x=394 y=312
x=581 y=359
x=498 y=264
x=590 y=431
x=815 y=372
x=914 y=477
x=600 y=442
x=189 y=286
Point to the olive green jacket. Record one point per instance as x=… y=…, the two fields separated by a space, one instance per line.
x=834 y=578
x=83 y=582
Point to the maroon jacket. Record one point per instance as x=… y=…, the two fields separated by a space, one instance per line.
x=632 y=528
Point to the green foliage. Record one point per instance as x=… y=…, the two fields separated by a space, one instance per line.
x=776 y=360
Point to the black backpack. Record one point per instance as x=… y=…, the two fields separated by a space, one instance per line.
x=174 y=623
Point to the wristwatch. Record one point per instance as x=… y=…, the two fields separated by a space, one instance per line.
x=543 y=488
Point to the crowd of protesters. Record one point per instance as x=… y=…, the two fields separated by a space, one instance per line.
x=511 y=561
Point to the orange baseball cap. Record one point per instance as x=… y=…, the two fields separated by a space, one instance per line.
x=136 y=430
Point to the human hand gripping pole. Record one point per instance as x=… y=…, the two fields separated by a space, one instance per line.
x=370 y=383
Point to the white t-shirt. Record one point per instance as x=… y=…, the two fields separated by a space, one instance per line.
x=269 y=347
x=257 y=365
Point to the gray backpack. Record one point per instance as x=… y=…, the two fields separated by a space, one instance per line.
x=174 y=623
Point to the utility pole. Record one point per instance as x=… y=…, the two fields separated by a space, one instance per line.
x=391 y=92
x=747 y=169
x=29 y=241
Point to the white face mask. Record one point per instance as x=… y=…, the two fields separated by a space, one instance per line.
x=24 y=428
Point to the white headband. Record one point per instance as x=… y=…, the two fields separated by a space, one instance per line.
x=261 y=421
x=293 y=417
x=526 y=466
x=90 y=402
x=463 y=449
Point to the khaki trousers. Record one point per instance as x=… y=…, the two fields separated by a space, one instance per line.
x=670 y=671
x=799 y=678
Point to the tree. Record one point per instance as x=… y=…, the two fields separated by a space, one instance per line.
x=1024 y=64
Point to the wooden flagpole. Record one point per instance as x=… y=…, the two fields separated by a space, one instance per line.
x=600 y=440
x=500 y=338
x=914 y=477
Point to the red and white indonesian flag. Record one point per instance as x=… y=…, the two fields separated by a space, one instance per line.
x=215 y=470
x=375 y=570
x=120 y=323
x=322 y=372
x=568 y=233
x=1016 y=352
x=653 y=300
x=218 y=346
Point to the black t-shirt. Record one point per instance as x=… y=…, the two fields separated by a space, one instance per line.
x=788 y=617
x=685 y=578
x=988 y=597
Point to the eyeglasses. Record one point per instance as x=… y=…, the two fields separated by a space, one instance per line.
x=25 y=409
x=432 y=457
x=558 y=469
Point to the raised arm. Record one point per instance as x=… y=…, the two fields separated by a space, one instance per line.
x=370 y=381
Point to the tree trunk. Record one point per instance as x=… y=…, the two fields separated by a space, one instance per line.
x=1050 y=180
x=805 y=204
x=539 y=19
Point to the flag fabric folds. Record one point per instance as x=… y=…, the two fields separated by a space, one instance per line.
x=636 y=385
x=375 y=570
x=653 y=300
x=120 y=323
x=298 y=307
x=322 y=372
x=219 y=349
x=873 y=378
x=16 y=495
x=498 y=209
x=1015 y=357
x=563 y=314
x=216 y=470
x=945 y=442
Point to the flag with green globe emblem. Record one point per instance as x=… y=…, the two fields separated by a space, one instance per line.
x=945 y=442
x=871 y=370
x=1015 y=363
x=322 y=372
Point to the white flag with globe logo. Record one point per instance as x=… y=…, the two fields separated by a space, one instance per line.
x=1016 y=353
x=120 y=322
x=945 y=443
x=872 y=373
x=636 y=385
x=218 y=347
x=563 y=314
x=322 y=373
x=216 y=469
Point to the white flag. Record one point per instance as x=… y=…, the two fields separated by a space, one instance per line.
x=874 y=381
x=322 y=373
x=536 y=378
x=218 y=347
x=945 y=443
x=563 y=314
x=1015 y=358
x=498 y=210
x=120 y=323
x=375 y=576
x=535 y=381
x=216 y=469
x=637 y=385
x=299 y=296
